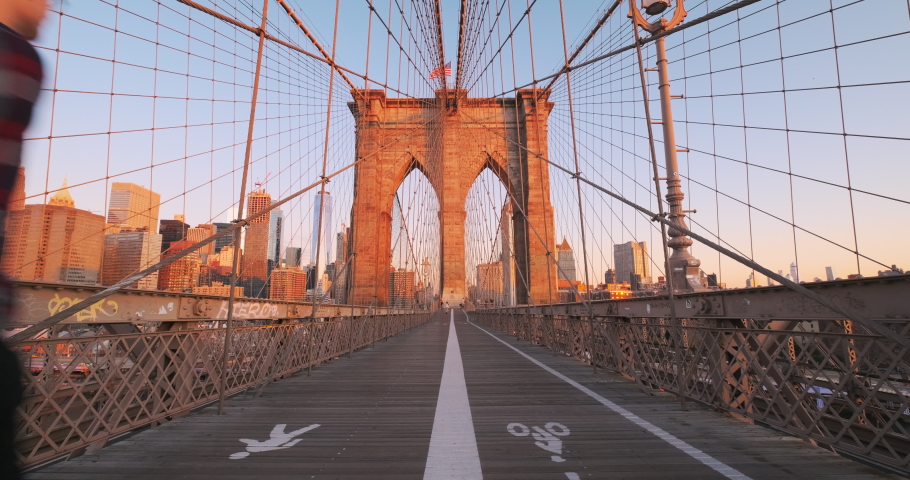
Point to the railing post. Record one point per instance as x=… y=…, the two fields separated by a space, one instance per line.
x=312 y=345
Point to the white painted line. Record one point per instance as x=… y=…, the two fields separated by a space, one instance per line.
x=572 y=476
x=453 y=447
x=695 y=453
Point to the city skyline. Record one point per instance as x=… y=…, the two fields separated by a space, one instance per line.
x=198 y=176
x=131 y=206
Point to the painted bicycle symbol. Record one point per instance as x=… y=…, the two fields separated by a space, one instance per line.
x=546 y=438
x=278 y=440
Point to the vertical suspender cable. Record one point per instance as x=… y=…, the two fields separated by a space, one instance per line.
x=366 y=70
x=325 y=159
x=225 y=355
x=581 y=214
x=536 y=110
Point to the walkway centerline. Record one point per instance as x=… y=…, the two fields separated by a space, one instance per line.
x=453 y=447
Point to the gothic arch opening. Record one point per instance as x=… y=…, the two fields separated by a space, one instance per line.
x=452 y=149
x=489 y=250
x=414 y=268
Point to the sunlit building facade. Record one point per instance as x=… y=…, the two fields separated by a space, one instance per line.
x=632 y=258
x=566 y=261
x=489 y=284
x=199 y=234
x=219 y=289
x=288 y=284
x=55 y=243
x=133 y=205
x=401 y=288
x=128 y=252
x=183 y=274
x=256 y=243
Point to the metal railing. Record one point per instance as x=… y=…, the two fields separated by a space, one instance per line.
x=830 y=381
x=82 y=391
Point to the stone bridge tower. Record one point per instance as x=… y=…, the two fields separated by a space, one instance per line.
x=452 y=143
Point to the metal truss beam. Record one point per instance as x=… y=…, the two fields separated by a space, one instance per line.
x=876 y=298
x=36 y=301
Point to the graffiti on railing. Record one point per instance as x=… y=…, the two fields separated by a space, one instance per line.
x=244 y=310
x=104 y=307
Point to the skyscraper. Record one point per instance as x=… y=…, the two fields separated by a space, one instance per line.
x=129 y=251
x=288 y=284
x=489 y=283
x=183 y=273
x=224 y=241
x=172 y=231
x=508 y=257
x=225 y=259
x=829 y=274
x=342 y=269
x=632 y=258
x=133 y=205
x=200 y=233
x=54 y=243
x=326 y=236
x=401 y=288
x=256 y=243
x=341 y=244
x=326 y=229
x=566 y=261
x=292 y=257
x=276 y=226
x=219 y=289
x=610 y=276
x=794 y=272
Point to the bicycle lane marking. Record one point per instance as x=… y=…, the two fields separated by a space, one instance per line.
x=695 y=453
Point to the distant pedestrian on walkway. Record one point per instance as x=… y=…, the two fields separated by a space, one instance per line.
x=20 y=82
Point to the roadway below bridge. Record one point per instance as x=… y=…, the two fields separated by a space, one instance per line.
x=451 y=400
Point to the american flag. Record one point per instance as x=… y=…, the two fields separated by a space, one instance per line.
x=437 y=72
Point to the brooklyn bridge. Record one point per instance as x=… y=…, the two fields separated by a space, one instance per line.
x=465 y=239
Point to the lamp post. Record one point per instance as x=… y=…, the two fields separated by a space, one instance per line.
x=684 y=268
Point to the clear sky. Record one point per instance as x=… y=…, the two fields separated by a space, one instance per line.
x=796 y=149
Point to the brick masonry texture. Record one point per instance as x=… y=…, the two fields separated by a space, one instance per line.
x=452 y=146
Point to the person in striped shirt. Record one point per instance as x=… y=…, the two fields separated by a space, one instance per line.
x=20 y=82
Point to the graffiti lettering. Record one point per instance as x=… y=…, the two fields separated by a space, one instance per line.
x=106 y=308
x=248 y=310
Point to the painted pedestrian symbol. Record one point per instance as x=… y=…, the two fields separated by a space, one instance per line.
x=547 y=437
x=278 y=440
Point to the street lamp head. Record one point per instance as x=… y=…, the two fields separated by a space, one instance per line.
x=655 y=7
